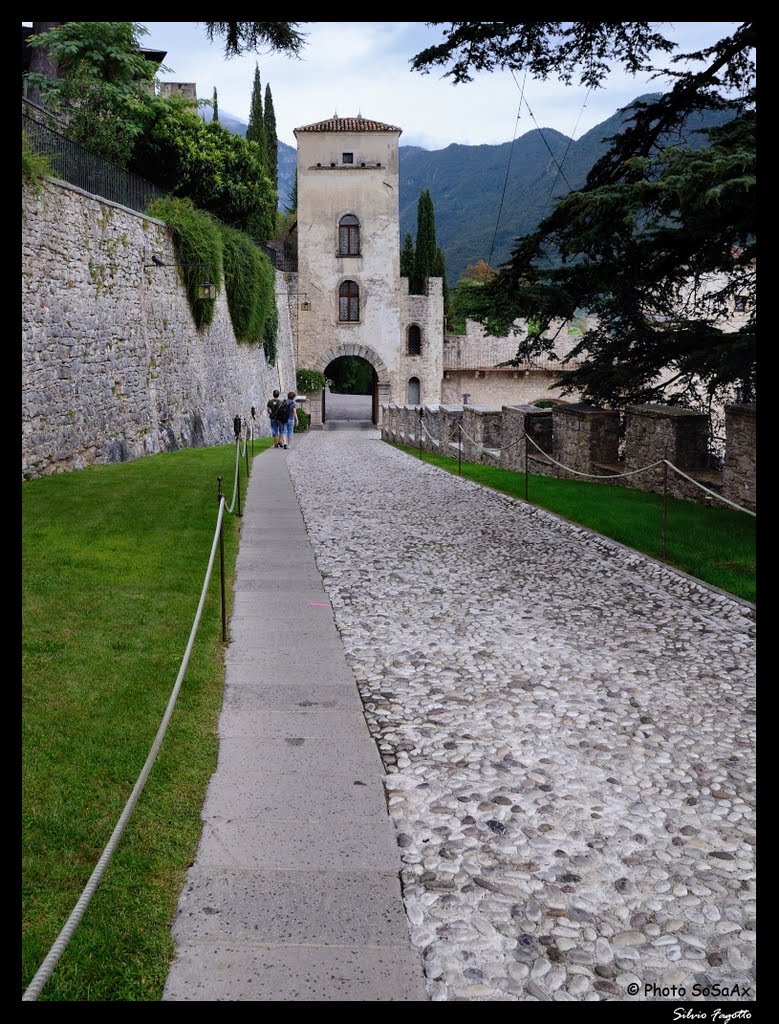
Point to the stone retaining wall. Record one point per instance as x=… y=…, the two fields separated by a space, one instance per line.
x=113 y=366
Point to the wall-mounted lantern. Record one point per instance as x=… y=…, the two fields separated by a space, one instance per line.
x=205 y=291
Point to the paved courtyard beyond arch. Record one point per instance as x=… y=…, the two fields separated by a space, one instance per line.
x=566 y=730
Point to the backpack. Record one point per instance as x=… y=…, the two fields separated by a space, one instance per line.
x=282 y=415
x=273 y=409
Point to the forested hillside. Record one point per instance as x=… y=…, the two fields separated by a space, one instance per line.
x=467 y=182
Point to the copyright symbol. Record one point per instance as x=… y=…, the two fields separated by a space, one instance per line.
x=632 y=989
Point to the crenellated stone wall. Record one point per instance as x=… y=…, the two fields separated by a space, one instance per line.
x=586 y=440
x=482 y=429
x=113 y=366
x=654 y=433
x=739 y=483
x=519 y=423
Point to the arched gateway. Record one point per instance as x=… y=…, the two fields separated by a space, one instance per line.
x=381 y=375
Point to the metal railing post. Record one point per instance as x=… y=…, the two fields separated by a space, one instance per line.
x=460 y=450
x=238 y=466
x=219 y=497
x=665 y=507
x=246 y=450
x=526 y=497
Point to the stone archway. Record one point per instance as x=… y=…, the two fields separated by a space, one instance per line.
x=381 y=391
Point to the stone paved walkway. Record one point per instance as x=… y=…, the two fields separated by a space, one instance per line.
x=567 y=727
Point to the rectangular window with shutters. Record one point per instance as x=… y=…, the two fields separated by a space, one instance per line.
x=349 y=302
x=348 y=241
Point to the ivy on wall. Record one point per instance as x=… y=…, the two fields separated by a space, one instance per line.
x=250 y=285
x=206 y=249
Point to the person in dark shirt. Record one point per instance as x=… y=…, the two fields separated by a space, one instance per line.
x=275 y=425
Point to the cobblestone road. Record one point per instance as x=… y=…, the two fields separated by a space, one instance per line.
x=568 y=731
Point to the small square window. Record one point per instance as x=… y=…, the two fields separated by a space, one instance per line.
x=741 y=303
x=347 y=158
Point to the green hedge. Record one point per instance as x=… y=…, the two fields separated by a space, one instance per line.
x=310 y=380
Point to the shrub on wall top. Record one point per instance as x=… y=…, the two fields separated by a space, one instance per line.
x=35 y=167
x=197 y=242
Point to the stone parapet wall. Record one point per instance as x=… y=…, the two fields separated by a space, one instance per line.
x=430 y=425
x=586 y=440
x=482 y=429
x=520 y=421
x=113 y=366
x=584 y=436
x=739 y=477
x=654 y=433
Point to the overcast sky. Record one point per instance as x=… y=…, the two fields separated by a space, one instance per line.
x=362 y=67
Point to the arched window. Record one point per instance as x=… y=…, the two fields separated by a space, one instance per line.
x=414 y=340
x=348 y=236
x=349 y=301
x=413 y=391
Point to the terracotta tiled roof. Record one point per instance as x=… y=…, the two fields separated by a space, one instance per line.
x=348 y=124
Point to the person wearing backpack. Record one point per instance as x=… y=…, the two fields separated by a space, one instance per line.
x=275 y=420
x=288 y=417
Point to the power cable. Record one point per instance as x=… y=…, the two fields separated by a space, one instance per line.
x=508 y=167
x=565 y=154
x=543 y=137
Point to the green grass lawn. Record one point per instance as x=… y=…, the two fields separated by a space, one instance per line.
x=716 y=545
x=114 y=559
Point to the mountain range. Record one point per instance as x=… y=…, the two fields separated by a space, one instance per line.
x=487 y=196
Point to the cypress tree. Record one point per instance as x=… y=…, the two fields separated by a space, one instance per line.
x=215 y=118
x=255 y=131
x=424 y=257
x=271 y=140
x=407 y=258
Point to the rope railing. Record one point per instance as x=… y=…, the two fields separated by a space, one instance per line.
x=52 y=958
x=712 y=493
x=241 y=448
x=596 y=476
x=236 y=483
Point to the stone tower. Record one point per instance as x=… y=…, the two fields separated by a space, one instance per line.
x=353 y=300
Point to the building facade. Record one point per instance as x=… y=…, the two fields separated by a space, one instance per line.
x=351 y=297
